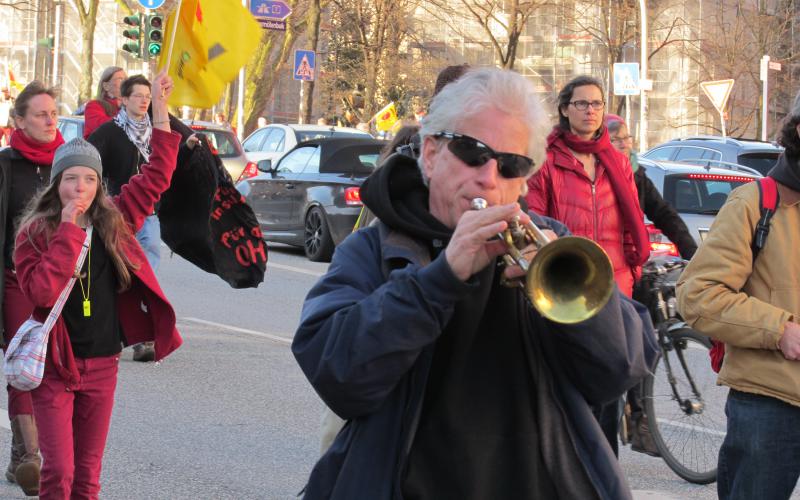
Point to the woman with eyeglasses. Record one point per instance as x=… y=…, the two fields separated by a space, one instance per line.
x=587 y=184
x=106 y=103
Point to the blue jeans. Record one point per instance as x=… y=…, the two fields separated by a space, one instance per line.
x=760 y=457
x=149 y=236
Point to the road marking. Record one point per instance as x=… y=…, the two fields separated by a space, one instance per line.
x=695 y=428
x=295 y=269
x=269 y=336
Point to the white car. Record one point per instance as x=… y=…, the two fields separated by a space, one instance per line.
x=273 y=141
x=696 y=192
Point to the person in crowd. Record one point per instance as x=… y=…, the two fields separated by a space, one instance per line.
x=657 y=210
x=115 y=286
x=124 y=146
x=426 y=354
x=262 y=122
x=24 y=169
x=588 y=185
x=106 y=103
x=667 y=220
x=751 y=302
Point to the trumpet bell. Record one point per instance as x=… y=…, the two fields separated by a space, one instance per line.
x=570 y=280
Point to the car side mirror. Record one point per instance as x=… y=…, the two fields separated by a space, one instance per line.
x=265 y=166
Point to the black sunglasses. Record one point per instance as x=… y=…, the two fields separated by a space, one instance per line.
x=475 y=154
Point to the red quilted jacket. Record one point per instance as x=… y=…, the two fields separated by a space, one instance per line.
x=561 y=189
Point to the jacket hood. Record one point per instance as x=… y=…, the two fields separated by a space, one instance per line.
x=397 y=195
x=787 y=172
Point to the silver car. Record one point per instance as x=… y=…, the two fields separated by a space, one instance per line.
x=696 y=192
x=226 y=145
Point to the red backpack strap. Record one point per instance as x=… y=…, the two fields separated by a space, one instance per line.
x=768 y=199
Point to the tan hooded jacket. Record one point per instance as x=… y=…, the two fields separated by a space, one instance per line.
x=724 y=294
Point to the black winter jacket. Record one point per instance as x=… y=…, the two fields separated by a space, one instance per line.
x=662 y=215
x=121 y=159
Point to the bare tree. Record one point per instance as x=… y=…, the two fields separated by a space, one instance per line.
x=735 y=37
x=501 y=22
x=87 y=13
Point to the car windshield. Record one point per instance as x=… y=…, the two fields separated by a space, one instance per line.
x=224 y=142
x=762 y=162
x=310 y=135
x=700 y=193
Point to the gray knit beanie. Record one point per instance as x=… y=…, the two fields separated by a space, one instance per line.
x=76 y=153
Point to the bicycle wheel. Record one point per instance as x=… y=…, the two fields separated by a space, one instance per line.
x=688 y=428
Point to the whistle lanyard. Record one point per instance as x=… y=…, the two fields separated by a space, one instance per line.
x=87 y=304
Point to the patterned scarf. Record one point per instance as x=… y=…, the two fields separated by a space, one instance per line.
x=138 y=132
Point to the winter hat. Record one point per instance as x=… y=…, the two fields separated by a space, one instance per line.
x=608 y=118
x=76 y=153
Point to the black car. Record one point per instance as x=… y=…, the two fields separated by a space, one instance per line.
x=311 y=197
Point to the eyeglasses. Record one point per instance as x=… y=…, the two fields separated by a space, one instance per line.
x=627 y=138
x=584 y=105
x=476 y=154
x=142 y=96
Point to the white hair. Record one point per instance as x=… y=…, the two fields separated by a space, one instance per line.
x=480 y=89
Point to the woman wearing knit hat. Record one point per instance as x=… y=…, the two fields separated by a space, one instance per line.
x=115 y=299
x=24 y=168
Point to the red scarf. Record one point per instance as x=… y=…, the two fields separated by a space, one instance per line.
x=628 y=200
x=40 y=153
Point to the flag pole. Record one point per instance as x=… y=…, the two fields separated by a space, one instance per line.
x=172 y=35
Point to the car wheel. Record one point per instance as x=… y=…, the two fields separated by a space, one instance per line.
x=317 y=240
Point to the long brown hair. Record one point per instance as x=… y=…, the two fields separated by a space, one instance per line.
x=43 y=215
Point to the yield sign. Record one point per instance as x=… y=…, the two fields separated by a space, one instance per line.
x=718 y=91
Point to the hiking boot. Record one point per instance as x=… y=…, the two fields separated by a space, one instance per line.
x=17 y=451
x=27 y=472
x=144 y=352
x=642 y=440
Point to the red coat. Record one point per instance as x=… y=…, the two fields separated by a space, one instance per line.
x=95 y=115
x=44 y=267
x=561 y=189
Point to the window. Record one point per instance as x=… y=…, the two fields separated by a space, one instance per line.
x=274 y=142
x=660 y=153
x=295 y=161
x=224 y=142
x=687 y=153
x=253 y=143
x=700 y=193
x=763 y=162
x=312 y=167
x=69 y=130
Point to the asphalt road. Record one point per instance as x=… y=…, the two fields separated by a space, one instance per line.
x=230 y=415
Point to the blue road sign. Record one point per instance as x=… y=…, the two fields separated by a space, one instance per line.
x=304 y=65
x=626 y=79
x=269 y=9
x=151 y=4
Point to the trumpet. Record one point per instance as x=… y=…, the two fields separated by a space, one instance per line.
x=568 y=281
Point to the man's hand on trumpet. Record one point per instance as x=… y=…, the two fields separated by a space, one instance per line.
x=473 y=245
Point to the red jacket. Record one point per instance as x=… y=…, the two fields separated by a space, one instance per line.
x=95 y=115
x=44 y=267
x=561 y=189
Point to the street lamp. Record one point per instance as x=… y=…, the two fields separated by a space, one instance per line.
x=643 y=82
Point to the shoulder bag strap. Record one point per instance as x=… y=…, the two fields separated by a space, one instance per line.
x=62 y=299
x=768 y=199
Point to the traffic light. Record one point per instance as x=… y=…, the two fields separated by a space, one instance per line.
x=134 y=48
x=154 y=35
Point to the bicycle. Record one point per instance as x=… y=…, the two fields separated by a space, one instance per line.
x=684 y=405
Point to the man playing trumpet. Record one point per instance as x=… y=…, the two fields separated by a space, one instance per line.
x=453 y=386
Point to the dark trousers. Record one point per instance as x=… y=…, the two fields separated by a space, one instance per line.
x=608 y=416
x=760 y=457
x=73 y=427
x=16 y=310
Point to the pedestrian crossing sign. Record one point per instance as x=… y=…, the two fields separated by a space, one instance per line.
x=304 y=65
x=626 y=79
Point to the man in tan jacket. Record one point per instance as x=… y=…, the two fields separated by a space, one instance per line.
x=752 y=304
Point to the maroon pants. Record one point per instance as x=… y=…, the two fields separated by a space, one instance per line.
x=73 y=427
x=16 y=310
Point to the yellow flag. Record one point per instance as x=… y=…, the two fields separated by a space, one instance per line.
x=385 y=118
x=214 y=39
